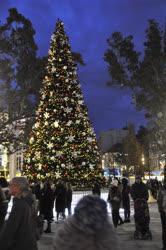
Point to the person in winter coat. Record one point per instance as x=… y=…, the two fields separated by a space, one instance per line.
x=162 y=209
x=19 y=232
x=46 y=203
x=139 y=193
x=126 y=199
x=114 y=198
x=139 y=190
x=96 y=189
x=4 y=199
x=3 y=207
x=88 y=228
x=60 y=199
x=69 y=193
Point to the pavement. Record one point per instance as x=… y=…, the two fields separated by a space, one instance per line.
x=124 y=232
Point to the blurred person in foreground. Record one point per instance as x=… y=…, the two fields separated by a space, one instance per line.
x=19 y=230
x=162 y=209
x=88 y=228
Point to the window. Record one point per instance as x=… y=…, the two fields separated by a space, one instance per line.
x=18 y=163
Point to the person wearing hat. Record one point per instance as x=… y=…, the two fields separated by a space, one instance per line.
x=140 y=195
x=126 y=199
x=114 y=198
x=139 y=189
x=88 y=228
x=161 y=200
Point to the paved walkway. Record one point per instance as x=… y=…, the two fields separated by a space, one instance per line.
x=125 y=233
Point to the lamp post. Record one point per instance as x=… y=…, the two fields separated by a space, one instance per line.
x=143 y=162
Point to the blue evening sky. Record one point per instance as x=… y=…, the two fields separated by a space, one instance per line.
x=88 y=23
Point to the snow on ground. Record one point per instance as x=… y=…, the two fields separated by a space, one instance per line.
x=104 y=195
x=77 y=195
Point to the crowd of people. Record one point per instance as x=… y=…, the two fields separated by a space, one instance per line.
x=89 y=221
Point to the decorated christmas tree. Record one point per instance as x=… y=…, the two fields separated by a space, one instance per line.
x=62 y=144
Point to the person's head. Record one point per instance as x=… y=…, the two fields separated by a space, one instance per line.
x=47 y=185
x=3 y=182
x=19 y=186
x=114 y=183
x=91 y=213
x=138 y=179
x=124 y=181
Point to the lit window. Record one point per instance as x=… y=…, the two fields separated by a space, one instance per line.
x=18 y=164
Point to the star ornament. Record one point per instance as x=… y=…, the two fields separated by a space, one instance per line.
x=68 y=110
x=69 y=123
x=59 y=153
x=37 y=124
x=53 y=69
x=71 y=138
x=28 y=160
x=52 y=37
x=80 y=102
x=91 y=166
x=38 y=155
x=43 y=96
x=50 y=145
x=74 y=154
x=57 y=175
x=31 y=140
x=40 y=166
x=46 y=115
x=56 y=124
x=90 y=139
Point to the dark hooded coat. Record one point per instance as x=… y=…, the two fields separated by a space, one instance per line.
x=139 y=191
x=19 y=231
x=60 y=198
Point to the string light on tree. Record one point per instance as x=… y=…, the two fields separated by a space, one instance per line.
x=56 y=124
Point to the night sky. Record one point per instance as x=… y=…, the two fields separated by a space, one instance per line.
x=88 y=23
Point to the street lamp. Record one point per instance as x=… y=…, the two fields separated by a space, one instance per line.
x=143 y=161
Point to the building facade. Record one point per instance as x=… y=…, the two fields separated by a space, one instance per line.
x=111 y=137
x=10 y=164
